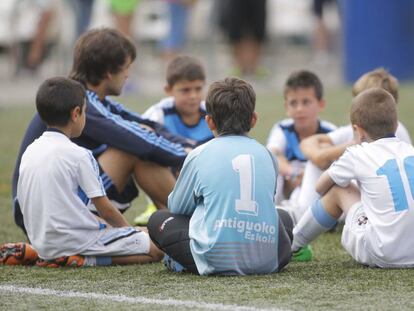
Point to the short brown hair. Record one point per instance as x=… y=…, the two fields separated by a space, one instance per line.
x=304 y=79
x=230 y=103
x=375 y=111
x=99 y=51
x=377 y=78
x=184 y=68
x=56 y=98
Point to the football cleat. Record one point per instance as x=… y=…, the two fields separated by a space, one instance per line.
x=18 y=254
x=172 y=265
x=303 y=254
x=65 y=261
x=142 y=219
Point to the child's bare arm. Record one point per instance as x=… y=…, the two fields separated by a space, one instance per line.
x=109 y=213
x=320 y=150
x=285 y=168
x=324 y=183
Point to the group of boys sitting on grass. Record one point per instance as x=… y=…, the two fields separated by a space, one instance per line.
x=236 y=206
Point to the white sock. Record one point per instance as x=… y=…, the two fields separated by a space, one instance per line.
x=315 y=221
x=90 y=261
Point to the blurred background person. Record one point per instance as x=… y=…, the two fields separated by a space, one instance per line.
x=36 y=31
x=322 y=42
x=123 y=12
x=244 y=23
x=175 y=39
x=83 y=13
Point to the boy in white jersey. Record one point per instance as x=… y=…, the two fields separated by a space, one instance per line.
x=221 y=217
x=56 y=176
x=323 y=149
x=380 y=209
x=183 y=111
x=303 y=102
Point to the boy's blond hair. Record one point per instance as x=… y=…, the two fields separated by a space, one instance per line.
x=375 y=111
x=377 y=78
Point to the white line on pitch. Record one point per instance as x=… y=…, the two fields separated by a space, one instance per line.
x=126 y=299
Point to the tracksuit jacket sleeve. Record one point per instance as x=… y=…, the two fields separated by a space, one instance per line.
x=160 y=129
x=110 y=125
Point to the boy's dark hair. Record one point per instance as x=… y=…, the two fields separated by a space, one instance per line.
x=57 y=97
x=230 y=103
x=304 y=79
x=184 y=68
x=99 y=51
x=377 y=78
x=376 y=112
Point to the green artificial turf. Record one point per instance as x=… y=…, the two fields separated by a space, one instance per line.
x=332 y=281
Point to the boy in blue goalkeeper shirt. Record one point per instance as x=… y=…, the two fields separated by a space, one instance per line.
x=221 y=217
x=183 y=111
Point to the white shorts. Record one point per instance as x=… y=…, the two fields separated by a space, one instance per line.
x=354 y=235
x=120 y=242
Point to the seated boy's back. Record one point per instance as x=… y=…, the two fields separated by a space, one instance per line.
x=58 y=179
x=57 y=221
x=379 y=208
x=229 y=185
x=222 y=217
x=384 y=170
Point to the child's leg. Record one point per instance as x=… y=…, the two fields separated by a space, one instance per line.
x=157 y=181
x=285 y=238
x=279 y=189
x=154 y=255
x=170 y=233
x=122 y=246
x=323 y=214
x=308 y=194
x=118 y=246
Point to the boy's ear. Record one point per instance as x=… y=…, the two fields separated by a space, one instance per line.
x=322 y=104
x=210 y=123
x=255 y=116
x=360 y=135
x=75 y=113
x=167 y=89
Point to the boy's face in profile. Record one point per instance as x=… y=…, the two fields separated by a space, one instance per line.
x=117 y=80
x=303 y=107
x=187 y=96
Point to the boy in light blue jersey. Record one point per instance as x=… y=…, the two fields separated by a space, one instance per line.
x=221 y=217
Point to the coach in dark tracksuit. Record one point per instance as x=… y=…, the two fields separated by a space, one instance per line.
x=126 y=146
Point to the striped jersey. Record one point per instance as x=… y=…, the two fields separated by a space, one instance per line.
x=165 y=112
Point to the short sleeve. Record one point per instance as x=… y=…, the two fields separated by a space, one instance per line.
x=182 y=198
x=402 y=133
x=88 y=177
x=154 y=113
x=341 y=135
x=276 y=139
x=342 y=171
